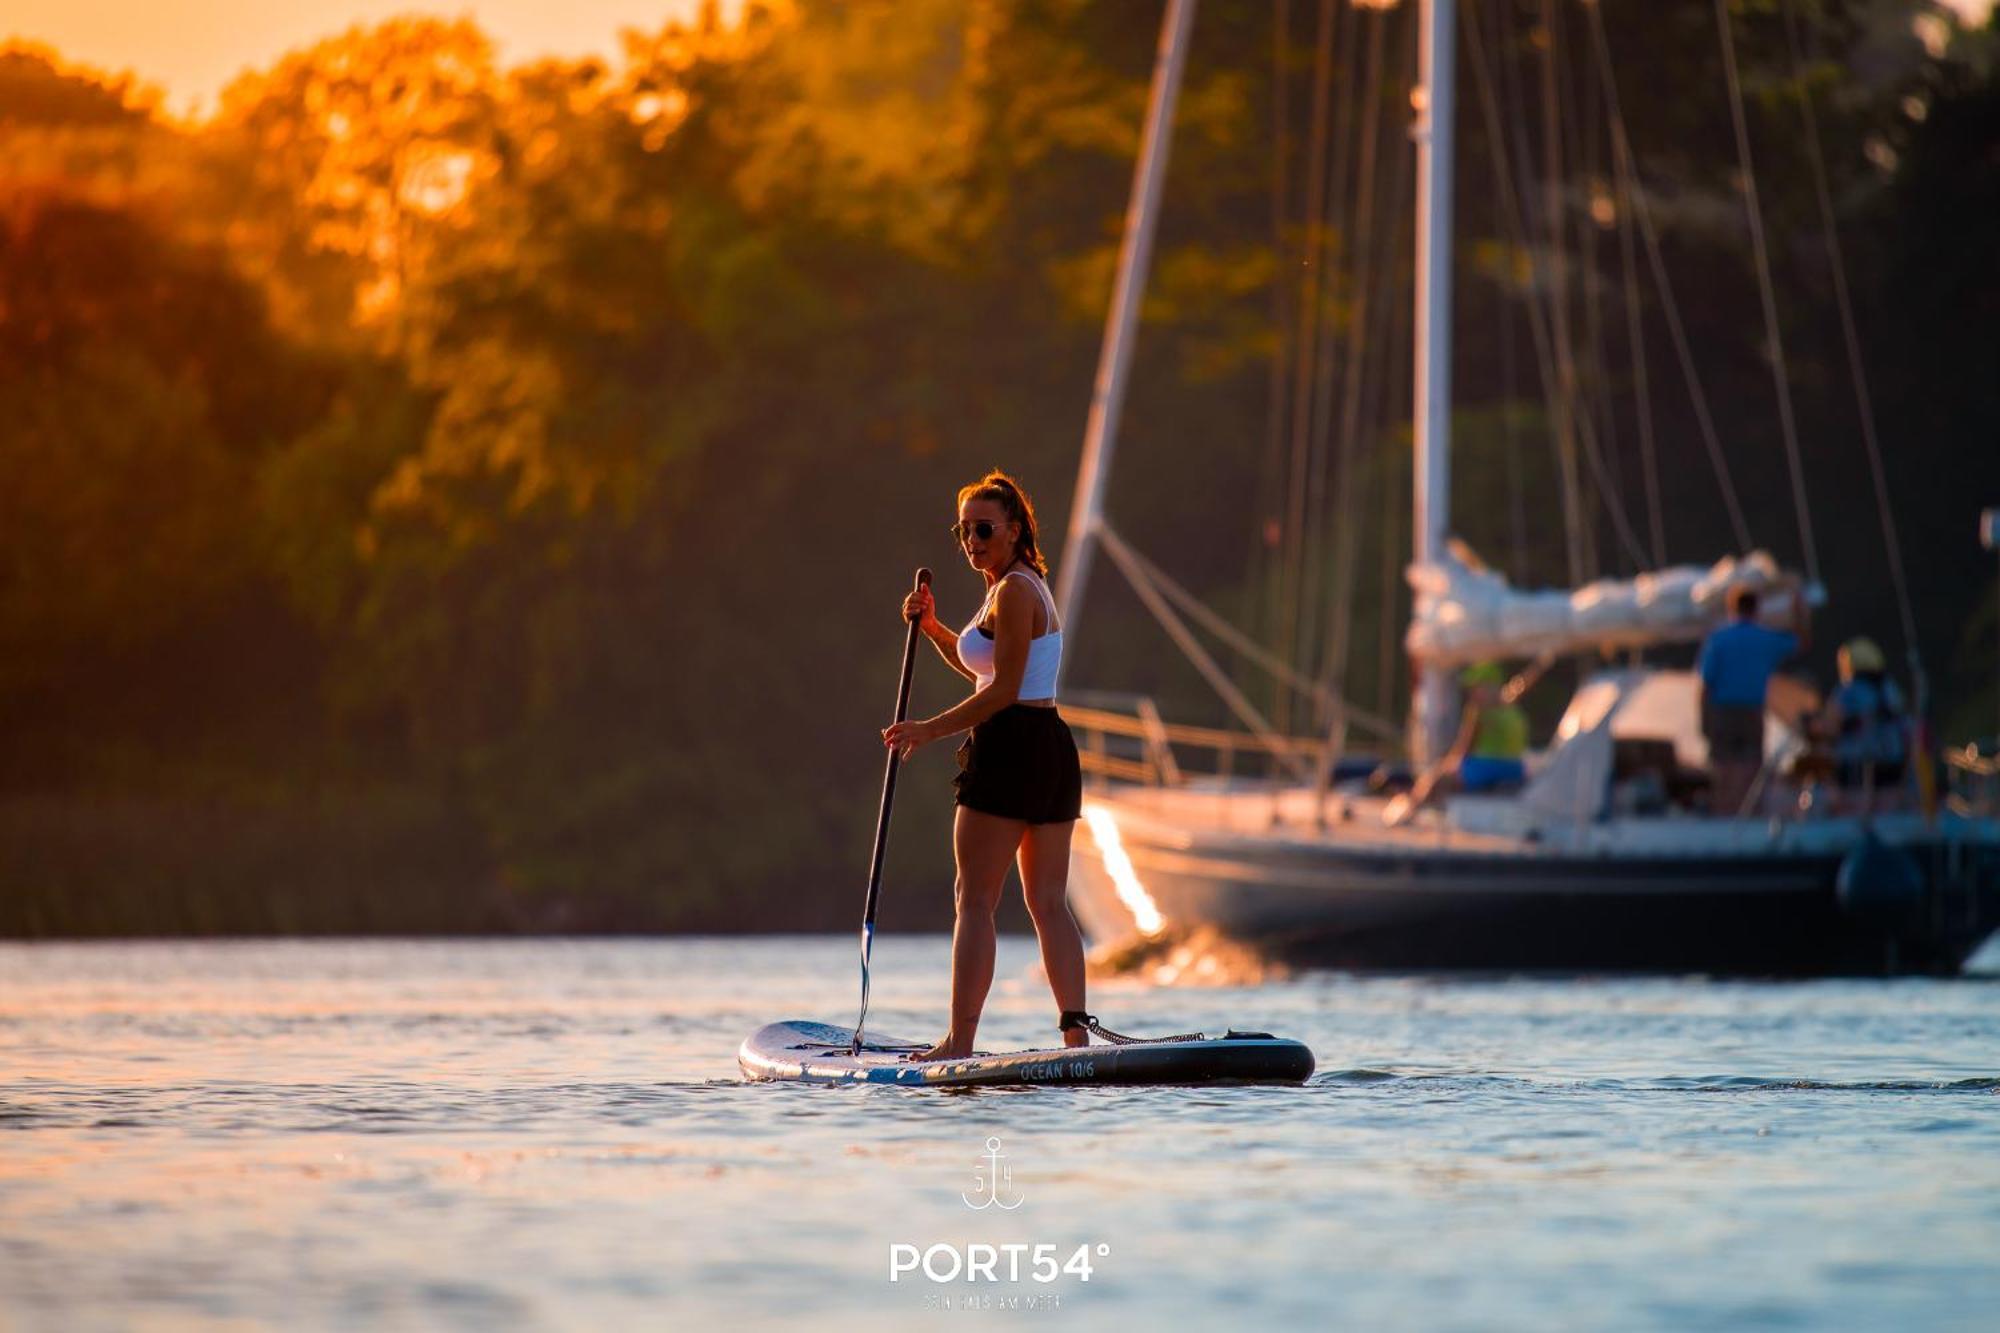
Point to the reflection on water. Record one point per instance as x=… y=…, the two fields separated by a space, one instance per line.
x=552 y=1133
x=1186 y=956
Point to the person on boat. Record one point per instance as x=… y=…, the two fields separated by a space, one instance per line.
x=1867 y=721
x=1019 y=786
x=1492 y=736
x=1736 y=664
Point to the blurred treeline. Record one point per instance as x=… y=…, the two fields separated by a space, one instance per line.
x=439 y=496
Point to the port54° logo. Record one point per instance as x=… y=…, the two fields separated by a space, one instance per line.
x=993 y=1189
x=994 y=1176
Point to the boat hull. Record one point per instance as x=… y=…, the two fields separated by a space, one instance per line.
x=1320 y=902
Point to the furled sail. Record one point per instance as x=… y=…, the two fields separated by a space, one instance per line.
x=1466 y=612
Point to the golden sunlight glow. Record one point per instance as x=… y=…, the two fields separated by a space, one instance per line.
x=1104 y=830
x=192 y=49
x=436 y=179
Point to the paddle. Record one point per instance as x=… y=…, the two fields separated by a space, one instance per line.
x=882 y=819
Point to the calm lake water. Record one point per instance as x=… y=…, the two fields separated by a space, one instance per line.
x=551 y=1133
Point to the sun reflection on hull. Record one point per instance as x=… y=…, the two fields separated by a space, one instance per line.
x=1104 y=831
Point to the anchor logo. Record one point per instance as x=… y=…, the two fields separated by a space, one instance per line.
x=989 y=1180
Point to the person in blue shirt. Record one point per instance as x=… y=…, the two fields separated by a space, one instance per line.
x=1737 y=661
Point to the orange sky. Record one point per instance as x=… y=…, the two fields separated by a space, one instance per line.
x=192 y=48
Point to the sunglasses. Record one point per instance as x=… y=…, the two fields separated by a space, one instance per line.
x=982 y=528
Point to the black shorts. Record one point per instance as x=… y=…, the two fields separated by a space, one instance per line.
x=1021 y=764
x=1735 y=735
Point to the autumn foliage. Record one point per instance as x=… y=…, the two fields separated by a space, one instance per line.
x=437 y=495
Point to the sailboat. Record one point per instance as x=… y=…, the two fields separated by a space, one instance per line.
x=1598 y=862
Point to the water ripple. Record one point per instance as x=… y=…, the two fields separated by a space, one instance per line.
x=526 y=1132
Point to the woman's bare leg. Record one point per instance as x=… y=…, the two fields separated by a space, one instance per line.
x=1045 y=884
x=982 y=845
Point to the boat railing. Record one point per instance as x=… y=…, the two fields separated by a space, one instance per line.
x=1123 y=736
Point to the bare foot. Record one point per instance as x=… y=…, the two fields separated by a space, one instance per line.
x=948 y=1049
x=1076 y=1037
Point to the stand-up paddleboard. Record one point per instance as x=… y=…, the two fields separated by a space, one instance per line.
x=806 y=1052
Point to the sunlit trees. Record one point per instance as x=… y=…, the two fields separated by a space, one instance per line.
x=555 y=442
x=346 y=159
x=141 y=392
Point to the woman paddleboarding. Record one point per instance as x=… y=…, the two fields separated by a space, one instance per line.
x=1019 y=786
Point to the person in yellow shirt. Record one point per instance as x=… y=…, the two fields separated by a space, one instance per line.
x=1493 y=737
x=1488 y=755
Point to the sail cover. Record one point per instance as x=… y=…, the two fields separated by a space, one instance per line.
x=1465 y=612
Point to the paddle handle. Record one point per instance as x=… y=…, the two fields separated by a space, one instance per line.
x=889 y=773
x=923 y=580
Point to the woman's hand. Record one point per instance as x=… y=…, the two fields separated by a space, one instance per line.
x=905 y=737
x=921 y=607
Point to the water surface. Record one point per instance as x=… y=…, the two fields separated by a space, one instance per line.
x=552 y=1133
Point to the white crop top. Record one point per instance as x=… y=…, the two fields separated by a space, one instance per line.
x=975 y=646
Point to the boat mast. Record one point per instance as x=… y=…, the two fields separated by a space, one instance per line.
x=1432 y=702
x=1107 y=396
